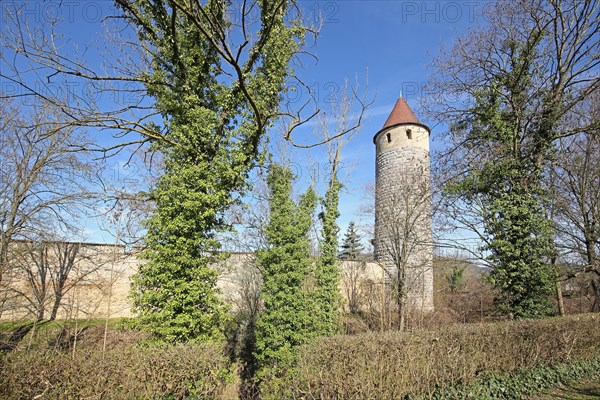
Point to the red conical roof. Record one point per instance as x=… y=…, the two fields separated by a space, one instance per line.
x=401 y=114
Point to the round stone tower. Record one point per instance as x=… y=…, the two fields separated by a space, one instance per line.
x=403 y=238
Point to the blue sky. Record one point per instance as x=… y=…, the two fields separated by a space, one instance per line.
x=393 y=40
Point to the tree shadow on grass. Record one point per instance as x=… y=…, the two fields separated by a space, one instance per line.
x=586 y=390
x=10 y=340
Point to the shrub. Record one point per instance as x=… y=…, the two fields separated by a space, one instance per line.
x=134 y=372
x=392 y=365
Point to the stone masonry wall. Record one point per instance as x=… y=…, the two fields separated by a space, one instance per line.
x=403 y=236
x=105 y=289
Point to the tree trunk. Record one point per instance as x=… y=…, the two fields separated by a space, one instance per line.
x=596 y=288
x=382 y=313
x=401 y=306
x=401 y=315
x=559 y=298
x=3 y=257
x=40 y=312
x=55 y=306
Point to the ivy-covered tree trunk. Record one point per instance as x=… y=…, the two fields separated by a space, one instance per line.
x=327 y=276
x=215 y=108
x=507 y=185
x=519 y=245
x=288 y=318
x=509 y=89
x=175 y=290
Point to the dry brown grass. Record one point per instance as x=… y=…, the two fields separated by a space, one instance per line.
x=390 y=365
x=128 y=369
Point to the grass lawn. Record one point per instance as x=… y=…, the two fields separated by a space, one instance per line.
x=113 y=323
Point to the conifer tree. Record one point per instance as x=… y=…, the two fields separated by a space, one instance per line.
x=285 y=264
x=351 y=246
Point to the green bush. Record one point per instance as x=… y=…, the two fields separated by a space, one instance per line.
x=394 y=365
x=134 y=372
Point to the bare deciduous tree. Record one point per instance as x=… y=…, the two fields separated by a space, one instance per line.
x=405 y=240
x=353 y=280
x=538 y=58
x=37 y=60
x=43 y=182
x=575 y=184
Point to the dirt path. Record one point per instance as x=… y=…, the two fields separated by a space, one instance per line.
x=584 y=390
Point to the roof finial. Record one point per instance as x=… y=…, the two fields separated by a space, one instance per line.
x=400 y=93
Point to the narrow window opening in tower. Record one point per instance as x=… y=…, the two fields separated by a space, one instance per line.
x=389 y=137
x=408 y=134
